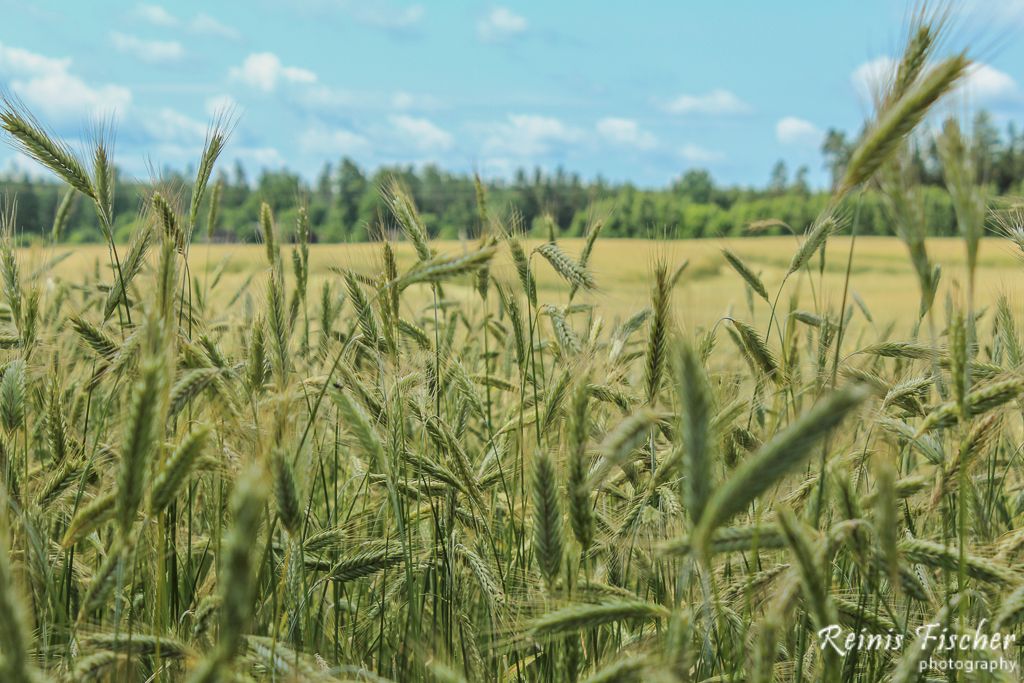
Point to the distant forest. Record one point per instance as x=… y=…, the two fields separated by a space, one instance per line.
x=345 y=204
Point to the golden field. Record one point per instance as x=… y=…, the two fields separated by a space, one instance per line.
x=881 y=274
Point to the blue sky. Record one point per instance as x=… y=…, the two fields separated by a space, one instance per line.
x=637 y=91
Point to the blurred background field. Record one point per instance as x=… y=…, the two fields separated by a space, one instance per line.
x=881 y=276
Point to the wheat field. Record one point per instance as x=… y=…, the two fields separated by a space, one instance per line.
x=883 y=276
x=515 y=460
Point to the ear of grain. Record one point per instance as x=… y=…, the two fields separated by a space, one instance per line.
x=567 y=339
x=554 y=400
x=812 y=577
x=10 y=272
x=910 y=350
x=236 y=581
x=286 y=493
x=214 y=212
x=752 y=279
x=511 y=305
x=986 y=397
x=697 y=408
x=64 y=211
x=365 y=562
x=547 y=518
x=1008 y=337
x=357 y=422
x=571 y=271
x=176 y=469
x=142 y=424
x=581 y=514
x=103 y=182
x=168 y=220
x=729 y=539
x=593 y=231
x=167 y=281
x=56 y=426
x=366 y=317
x=923 y=35
x=969 y=201
x=256 y=358
x=585 y=617
x=757 y=349
x=279 y=328
x=438 y=269
x=886 y=518
x=936 y=555
x=896 y=122
x=132 y=264
x=620 y=443
x=269 y=235
x=404 y=211
x=30 y=139
x=958 y=368
x=216 y=138
x=1011 y=609
x=820 y=230
x=657 y=337
x=779 y=456
x=12 y=395
x=523 y=270
x=189 y=386
x=105 y=577
x=90 y=517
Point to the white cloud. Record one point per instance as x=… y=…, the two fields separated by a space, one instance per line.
x=500 y=24
x=47 y=85
x=499 y=167
x=983 y=82
x=259 y=157
x=332 y=141
x=406 y=100
x=204 y=24
x=220 y=104
x=147 y=50
x=986 y=14
x=403 y=100
x=169 y=125
x=871 y=76
x=388 y=17
x=393 y=16
x=625 y=132
x=327 y=98
x=793 y=131
x=717 y=101
x=700 y=155
x=201 y=23
x=264 y=70
x=528 y=135
x=17 y=61
x=156 y=15
x=423 y=134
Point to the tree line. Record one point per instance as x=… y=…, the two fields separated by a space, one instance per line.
x=344 y=201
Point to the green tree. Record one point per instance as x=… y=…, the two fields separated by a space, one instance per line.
x=696 y=185
x=352 y=186
x=836 y=151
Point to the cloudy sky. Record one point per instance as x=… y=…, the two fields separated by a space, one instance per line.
x=635 y=91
